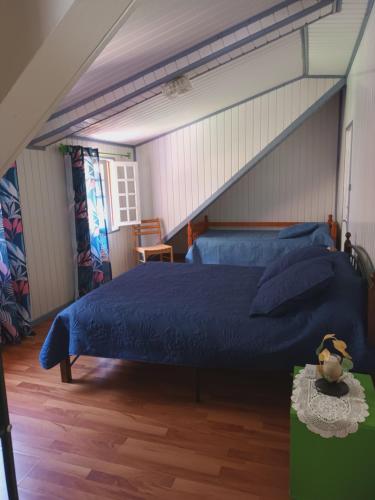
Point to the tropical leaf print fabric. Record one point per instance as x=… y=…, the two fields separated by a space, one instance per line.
x=14 y=285
x=94 y=267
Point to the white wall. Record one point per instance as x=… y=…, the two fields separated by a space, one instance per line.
x=47 y=230
x=187 y=167
x=360 y=108
x=295 y=182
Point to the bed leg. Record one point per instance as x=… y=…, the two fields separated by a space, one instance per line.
x=197 y=385
x=66 y=371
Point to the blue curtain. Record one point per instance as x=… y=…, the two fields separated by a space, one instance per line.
x=14 y=285
x=93 y=264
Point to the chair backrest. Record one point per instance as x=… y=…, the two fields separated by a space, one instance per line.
x=145 y=228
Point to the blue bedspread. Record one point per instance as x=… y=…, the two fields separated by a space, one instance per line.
x=250 y=248
x=199 y=316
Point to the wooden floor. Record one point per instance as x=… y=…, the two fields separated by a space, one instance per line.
x=133 y=431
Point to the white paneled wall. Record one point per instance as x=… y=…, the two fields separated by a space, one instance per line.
x=47 y=230
x=295 y=182
x=360 y=109
x=46 y=226
x=189 y=166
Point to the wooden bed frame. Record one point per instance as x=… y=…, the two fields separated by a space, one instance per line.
x=359 y=260
x=195 y=229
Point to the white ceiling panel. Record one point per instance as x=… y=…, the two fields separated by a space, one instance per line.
x=251 y=34
x=331 y=40
x=228 y=57
x=157 y=30
x=221 y=87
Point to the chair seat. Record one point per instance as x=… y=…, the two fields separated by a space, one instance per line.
x=146 y=228
x=154 y=248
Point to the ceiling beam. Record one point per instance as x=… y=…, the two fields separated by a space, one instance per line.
x=305 y=49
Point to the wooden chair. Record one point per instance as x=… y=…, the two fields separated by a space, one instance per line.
x=145 y=228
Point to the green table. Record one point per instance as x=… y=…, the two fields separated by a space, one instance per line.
x=334 y=468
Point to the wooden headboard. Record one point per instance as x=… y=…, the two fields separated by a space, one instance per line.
x=362 y=263
x=195 y=229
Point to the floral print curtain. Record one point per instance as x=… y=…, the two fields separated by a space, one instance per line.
x=93 y=264
x=14 y=285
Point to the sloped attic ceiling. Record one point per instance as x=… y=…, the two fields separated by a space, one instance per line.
x=231 y=51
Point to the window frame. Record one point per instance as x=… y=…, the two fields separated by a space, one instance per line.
x=110 y=182
x=106 y=186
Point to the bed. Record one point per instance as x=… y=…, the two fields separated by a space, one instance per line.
x=250 y=243
x=198 y=316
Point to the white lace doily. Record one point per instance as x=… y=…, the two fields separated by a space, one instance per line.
x=326 y=415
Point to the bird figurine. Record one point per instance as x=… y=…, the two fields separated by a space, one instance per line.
x=332 y=367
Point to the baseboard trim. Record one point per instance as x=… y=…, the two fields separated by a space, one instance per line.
x=49 y=315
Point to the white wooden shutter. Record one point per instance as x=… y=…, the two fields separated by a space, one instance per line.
x=125 y=192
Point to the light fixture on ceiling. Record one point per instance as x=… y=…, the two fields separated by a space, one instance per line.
x=177 y=86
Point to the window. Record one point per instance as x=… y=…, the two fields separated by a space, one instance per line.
x=121 y=192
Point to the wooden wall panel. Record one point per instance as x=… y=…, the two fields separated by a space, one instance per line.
x=296 y=181
x=187 y=167
x=47 y=228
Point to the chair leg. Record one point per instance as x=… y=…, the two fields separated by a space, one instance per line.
x=140 y=258
x=137 y=257
x=171 y=255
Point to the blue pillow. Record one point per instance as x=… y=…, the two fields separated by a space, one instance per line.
x=286 y=290
x=298 y=230
x=282 y=263
x=322 y=236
